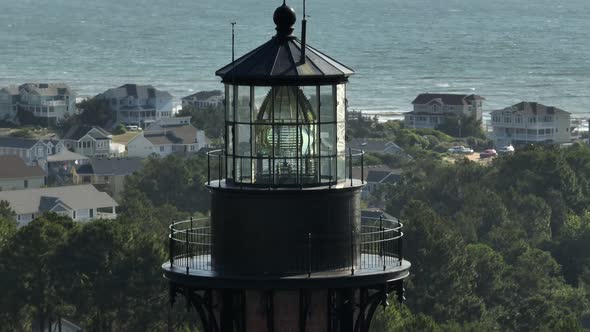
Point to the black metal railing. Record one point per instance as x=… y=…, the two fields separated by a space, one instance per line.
x=284 y=171
x=378 y=246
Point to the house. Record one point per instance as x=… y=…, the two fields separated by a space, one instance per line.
x=138 y=105
x=9 y=97
x=167 y=136
x=107 y=174
x=204 y=99
x=15 y=174
x=430 y=109
x=530 y=122
x=48 y=101
x=32 y=151
x=376 y=146
x=83 y=202
x=375 y=176
x=90 y=141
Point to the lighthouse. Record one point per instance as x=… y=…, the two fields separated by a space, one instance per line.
x=285 y=248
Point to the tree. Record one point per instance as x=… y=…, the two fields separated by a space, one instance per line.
x=461 y=126
x=95 y=112
x=29 y=273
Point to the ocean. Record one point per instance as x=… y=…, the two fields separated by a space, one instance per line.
x=504 y=50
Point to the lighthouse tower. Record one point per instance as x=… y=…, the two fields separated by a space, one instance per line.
x=285 y=248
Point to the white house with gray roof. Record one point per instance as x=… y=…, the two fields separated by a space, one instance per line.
x=168 y=136
x=138 y=105
x=530 y=122
x=83 y=202
x=90 y=141
x=430 y=109
x=48 y=101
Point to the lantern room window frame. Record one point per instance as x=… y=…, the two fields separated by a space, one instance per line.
x=254 y=136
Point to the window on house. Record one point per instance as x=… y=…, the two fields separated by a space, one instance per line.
x=161 y=149
x=26 y=183
x=91 y=213
x=74 y=214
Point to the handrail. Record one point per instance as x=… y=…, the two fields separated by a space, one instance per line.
x=373 y=247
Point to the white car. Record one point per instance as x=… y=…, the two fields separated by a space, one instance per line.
x=505 y=149
x=460 y=149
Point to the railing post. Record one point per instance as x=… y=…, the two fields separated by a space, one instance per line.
x=187 y=251
x=362 y=167
x=219 y=161
x=352 y=250
x=350 y=164
x=208 y=168
x=191 y=223
x=382 y=240
x=171 y=245
x=400 y=248
x=308 y=255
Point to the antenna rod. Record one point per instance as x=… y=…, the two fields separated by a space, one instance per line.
x=233 y=41
x=303 y=34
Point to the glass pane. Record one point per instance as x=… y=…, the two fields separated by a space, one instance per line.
x=328 y=169
x=243 y=169
x=285 y=104
x=342 y=168
x=243 y=104
x=262 y=103
x=285 y=141
x=328 y=139
x=242 y=140
x=327 y=109
x=261 y=168
x=341 y=102
x=310 y=103
x=262 y=140
x=230 y=167
x=308 y=135
x=229 y=105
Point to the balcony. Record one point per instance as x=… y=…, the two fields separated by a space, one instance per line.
x=376 y=248
x=54 y=103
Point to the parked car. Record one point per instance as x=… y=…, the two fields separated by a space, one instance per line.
x=505 y=149
x=460 y=149
x=488 y=153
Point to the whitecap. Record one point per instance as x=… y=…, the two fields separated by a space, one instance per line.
x=443 y=85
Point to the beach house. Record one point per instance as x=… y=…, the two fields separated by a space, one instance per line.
x=530 y=122
x=139 y=105
x=431 y=109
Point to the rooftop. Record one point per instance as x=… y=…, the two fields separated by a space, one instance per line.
x=37 y=200
x=16 y=142
x=77 y=132
x=446 y=98
x=47 y=89
x=137 y=91
x=204 y=95
x=284 y=60
x=533 y=107
x=13 y=167
x=111 y=166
